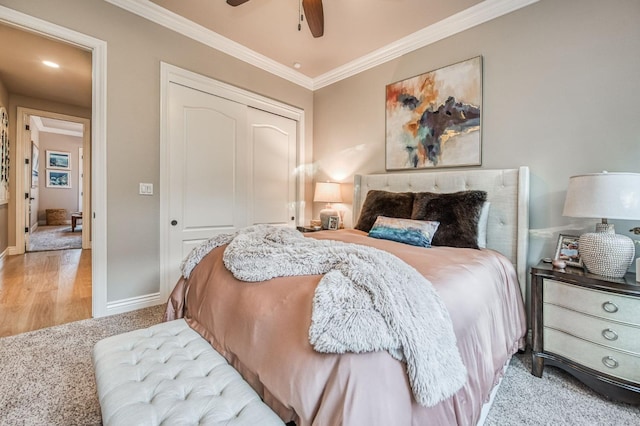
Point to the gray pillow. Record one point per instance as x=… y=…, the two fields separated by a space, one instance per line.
x=457 y=212
x=384 y=203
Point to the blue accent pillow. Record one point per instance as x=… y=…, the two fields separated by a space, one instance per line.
x=407 y=231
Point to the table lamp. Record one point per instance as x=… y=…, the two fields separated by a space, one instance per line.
x=606 y=196
x=327 y=192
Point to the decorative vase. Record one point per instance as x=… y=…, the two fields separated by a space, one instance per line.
x=325 y=214
x=605 y=252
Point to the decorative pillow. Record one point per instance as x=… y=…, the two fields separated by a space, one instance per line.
x=384 y=203
x=458 y=214
x=414 y=232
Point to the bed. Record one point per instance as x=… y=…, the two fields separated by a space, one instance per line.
x=263 y=328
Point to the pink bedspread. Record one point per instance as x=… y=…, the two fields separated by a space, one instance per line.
x=262 y=330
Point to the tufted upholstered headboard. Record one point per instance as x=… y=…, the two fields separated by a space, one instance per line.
x=507 y=190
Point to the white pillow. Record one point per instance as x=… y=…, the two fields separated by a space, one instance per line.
x=482 y=224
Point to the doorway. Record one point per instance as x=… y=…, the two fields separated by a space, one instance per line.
x=55 y=183
x=97 y=219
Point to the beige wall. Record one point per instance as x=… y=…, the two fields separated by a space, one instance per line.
x=4 y=208
x=58 y=198
x=561 y=94
x=135 y=48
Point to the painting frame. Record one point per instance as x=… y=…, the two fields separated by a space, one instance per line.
x=334 y=223
x=35 y=164
x=565 y=248
x=58 y=160
x=434 y=119
x=58 y=178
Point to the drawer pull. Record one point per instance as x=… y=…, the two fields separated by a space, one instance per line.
x=609 y=334
x=610 y=307
x=610 y=362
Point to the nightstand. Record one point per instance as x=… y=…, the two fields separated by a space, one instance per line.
x=588 y=325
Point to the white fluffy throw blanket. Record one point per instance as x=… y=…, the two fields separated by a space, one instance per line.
x=368 y=300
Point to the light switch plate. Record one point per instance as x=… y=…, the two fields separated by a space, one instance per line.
x=146 y=189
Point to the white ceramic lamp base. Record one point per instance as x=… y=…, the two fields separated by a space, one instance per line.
x=606 y=253
x=325 y=214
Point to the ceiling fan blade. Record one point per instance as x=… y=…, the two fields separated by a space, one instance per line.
x=236 y=2
x=315 y=16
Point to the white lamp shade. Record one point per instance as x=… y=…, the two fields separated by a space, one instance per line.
x=604 y=195
x=327 y=192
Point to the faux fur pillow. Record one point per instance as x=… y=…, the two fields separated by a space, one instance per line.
x=384 y=203
x=457 y=212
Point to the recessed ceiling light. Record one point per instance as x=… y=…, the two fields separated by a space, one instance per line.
x=297 y=65
x=51 y=64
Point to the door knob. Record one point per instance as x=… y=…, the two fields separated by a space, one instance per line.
x=174 y=222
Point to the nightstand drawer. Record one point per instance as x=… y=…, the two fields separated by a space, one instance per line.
x=608 y=333
x=596 y=357
x=611 y=306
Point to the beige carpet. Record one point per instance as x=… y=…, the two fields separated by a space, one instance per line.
x=46 y=378
x=47 y=238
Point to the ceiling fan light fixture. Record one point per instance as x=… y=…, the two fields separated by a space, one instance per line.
x=313 y=13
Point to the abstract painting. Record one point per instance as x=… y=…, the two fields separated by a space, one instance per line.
x=433 y=119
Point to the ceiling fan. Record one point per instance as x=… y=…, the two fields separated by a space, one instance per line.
x=312 y=10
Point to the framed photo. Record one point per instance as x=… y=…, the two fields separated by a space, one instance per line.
x=334 y=222
x=35 y=163
x=58 y=179
x=433 y=119
x=58 y=160
x=568 y=250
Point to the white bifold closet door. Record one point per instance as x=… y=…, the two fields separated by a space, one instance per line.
x=230 y=166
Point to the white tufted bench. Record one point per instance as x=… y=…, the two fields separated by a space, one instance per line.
x=169 y=375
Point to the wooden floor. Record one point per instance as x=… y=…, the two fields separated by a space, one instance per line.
x=42 y=289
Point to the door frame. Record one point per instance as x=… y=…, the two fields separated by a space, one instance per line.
x=26 y=153
x=98 y=214
x=173 y=74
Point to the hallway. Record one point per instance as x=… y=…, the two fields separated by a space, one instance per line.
x=43 y=289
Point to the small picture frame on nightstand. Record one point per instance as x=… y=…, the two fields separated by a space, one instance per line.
x=568 y=250
x=334 y=222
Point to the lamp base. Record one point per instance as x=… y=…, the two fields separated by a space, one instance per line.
x=324 y=217
x=606 y=253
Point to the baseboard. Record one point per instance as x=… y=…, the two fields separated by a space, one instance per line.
x=2 y=255
x=13 y=250
x=133 y=303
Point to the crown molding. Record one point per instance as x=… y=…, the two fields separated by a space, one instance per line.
x=181 y=25
x=475 y=15
x=469 y=18
x=67 y=132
